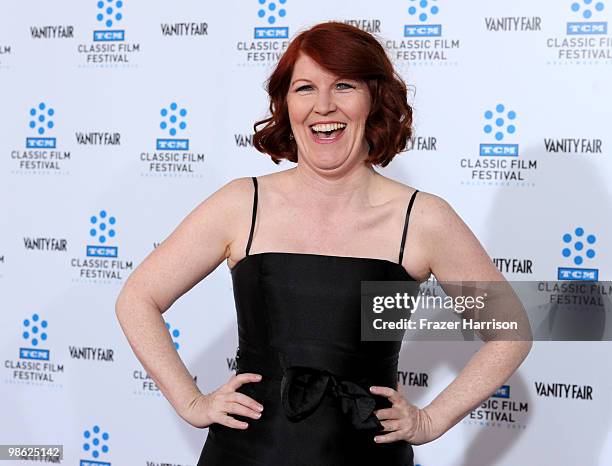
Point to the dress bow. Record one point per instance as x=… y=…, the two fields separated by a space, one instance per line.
x=303 y=388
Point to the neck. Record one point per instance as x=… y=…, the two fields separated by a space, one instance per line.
x=337 y=191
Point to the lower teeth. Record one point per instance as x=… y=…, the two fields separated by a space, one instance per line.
x=327 y=135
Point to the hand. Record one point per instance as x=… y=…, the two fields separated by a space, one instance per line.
x=403 y=421
x=217 y=406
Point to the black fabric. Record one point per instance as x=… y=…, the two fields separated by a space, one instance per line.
x=299 y=326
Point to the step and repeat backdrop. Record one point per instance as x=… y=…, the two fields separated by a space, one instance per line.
x=120 y=116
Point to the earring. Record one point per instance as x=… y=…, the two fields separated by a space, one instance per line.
x=291 y=136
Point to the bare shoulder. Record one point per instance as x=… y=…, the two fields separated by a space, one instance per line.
x=276 y=182
x=192 y=250
x=439 y=240
x=234 y=194
x=449 y=246
x=429 y=212
x=235 y=198
x=423 y=205
x=227 y=206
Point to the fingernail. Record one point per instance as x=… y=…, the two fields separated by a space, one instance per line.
x=376 y=439
x=371 y=389
x=260 y=408
x=258 y=414
x=258 y=376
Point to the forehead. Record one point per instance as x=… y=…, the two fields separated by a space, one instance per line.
x=305 y=67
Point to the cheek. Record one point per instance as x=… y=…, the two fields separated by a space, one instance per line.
x=297 y=110
x=360 y=109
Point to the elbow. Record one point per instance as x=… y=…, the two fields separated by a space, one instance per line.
x=120 y=306
x=124 y=301
x=131 y=300
x=523 y=348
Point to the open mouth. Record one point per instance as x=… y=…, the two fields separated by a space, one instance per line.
x=326 y=133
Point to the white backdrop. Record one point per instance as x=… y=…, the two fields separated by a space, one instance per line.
x=93 y=177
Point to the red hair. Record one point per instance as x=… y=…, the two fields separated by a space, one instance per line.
x=351 y=53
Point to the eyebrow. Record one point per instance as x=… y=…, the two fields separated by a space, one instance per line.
x=309 y=81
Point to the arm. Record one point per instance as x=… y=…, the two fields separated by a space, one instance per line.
x=456 y=254
x=192 y=251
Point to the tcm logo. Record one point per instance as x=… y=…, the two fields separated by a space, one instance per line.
x=502 y=392
x=268 y=12
x=578 y=247
x=422 y=11
x=34 y=333
x=95 y=444
x=109 y=14
x=587 y=9
x=41 y=122
x=173 y=121
x=499 y=123
x=102 y=228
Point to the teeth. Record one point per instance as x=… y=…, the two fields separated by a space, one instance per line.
x=328 y=127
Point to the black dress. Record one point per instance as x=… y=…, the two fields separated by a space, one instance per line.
x=299 y=326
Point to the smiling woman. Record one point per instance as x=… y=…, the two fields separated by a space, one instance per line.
x=335 y=69
x=308 y=390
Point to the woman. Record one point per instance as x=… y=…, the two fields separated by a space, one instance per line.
x=307 y=390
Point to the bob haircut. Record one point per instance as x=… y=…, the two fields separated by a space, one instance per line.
x=348 y=52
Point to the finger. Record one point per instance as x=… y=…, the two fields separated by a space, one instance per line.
x=386 y=392
x=246 y=401
x=387 y=413
x=391 y=437
x=231 y=422
x=391 y=426
x=238 y=380
x=237 y=408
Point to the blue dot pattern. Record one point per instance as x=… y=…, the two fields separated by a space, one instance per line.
x=102 y=226
x=269 y=10
x=175 y=334
x=499 y=121
x=95 y=441
x=579 y=242
x=34 y=330
x=586 y=8
x=41 y=118
x=109 y=11
x=423 y=9
x=173 y=119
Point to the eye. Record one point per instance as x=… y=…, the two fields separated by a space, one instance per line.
x=303 y=88
x=345 y=86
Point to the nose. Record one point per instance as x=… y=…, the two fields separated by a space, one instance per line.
x=325 y=103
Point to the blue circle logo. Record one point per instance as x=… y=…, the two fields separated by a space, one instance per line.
x=500 y=122
x=95 y=441
x=35 y=330
x=586 y=8
x=423 y=9
x=173 y=119
x=41 y=118
x=578 y=246
x=102 y=226
x=270 y=9
x=175 y=333
x=109 y=12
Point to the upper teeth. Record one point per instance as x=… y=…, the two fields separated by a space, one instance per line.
x=328 y=126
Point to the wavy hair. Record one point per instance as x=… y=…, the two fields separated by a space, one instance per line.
x=351 y=53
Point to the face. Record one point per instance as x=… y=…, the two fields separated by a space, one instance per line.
x=328 y=115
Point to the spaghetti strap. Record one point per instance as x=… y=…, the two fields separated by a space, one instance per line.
x=248 y=247
x=401 y=252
